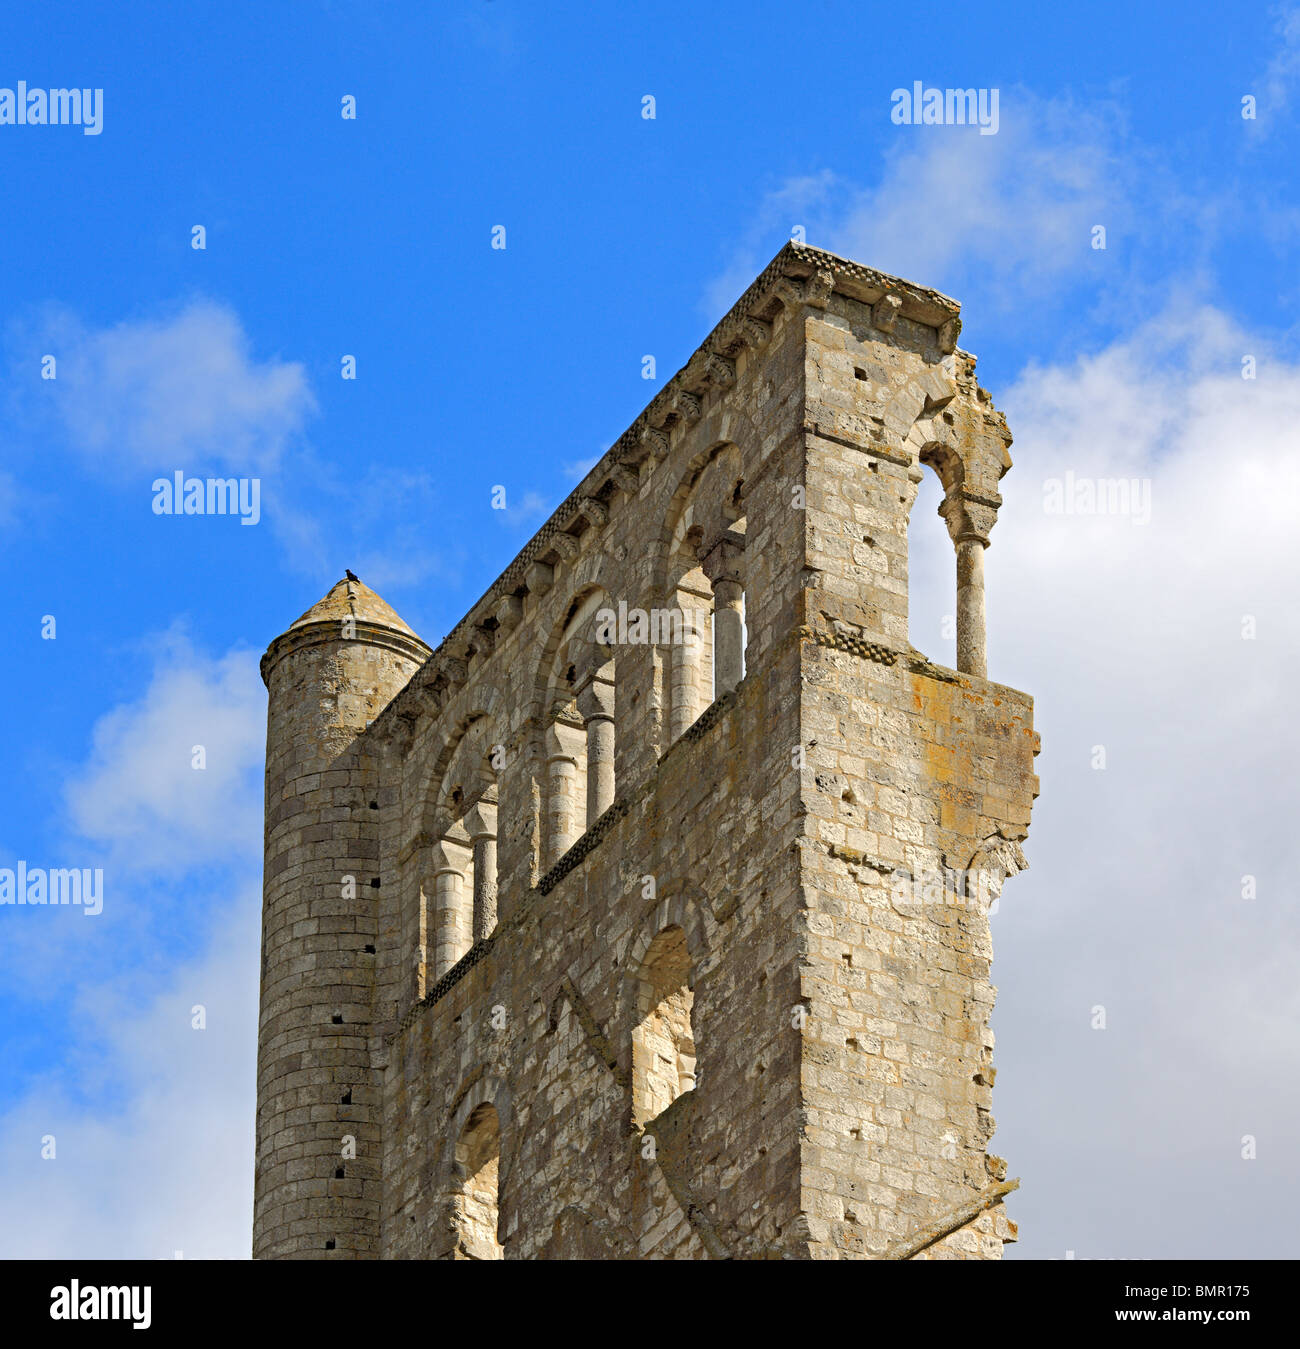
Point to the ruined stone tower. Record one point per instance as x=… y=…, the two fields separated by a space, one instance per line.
x=647 y=916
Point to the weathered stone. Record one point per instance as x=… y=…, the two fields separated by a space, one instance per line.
x=591 y=950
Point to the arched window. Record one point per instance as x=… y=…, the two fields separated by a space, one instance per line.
x=578 y=691
x=462 y=884
x=475 y=1202
x=688 y=630
x=705 y=587
x=931 y=617
x=663 y=1043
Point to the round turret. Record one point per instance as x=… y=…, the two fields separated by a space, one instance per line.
x=328 y=675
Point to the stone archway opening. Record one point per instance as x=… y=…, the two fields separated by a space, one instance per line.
x=663 y=1041
x=475 y=1205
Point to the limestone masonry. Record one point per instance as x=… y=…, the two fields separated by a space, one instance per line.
x=647 y=916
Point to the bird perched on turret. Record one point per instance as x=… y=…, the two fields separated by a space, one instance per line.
x=351 y=575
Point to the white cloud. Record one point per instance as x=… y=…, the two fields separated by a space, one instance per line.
x=153 y=1120
x=1130 y=637
x=179 y=392
x=577 y=469
x=1020 y=204
x=527 y=508
x=159 y=1159
x=139 y=796
x=1006 y=218
x=1277 y=82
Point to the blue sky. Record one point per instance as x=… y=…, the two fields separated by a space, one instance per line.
x=477 y=366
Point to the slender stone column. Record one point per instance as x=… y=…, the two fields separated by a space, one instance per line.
x=723 y=565
x=420 y=965
x=452 y=931
x=596 y=707
x=688 y=660
x=481 y=825
x=969 y=518
x=563 y=748
x=729 y=635
x=971 y=653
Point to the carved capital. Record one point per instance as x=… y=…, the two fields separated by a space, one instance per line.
x=655 y=440
x=485 y=638
x=723 y=560
x=968 y=516
x=594 y=512
x=814 y=290
x=481 y=820
x=719 y=371
x=596 y=698
x=565 y=544
x=687 y=406
x=564 y=736
x=756 y=333
x=452 y=667
x=397 y=731
x=996 y=860
x=449 y=855
x=819 y=287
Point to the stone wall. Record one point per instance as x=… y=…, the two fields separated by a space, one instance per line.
x=650 y=962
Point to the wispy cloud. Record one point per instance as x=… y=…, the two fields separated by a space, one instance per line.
x=140 y=795
x=1276 y=86
x=151 y=1119
x=577 y=469
x=147 y=397
x=179 y=391
x=1009 y=217
x=525 y=508
x=372 y=519
x=148 y=1116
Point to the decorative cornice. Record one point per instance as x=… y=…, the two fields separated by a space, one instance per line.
x=361 y=630
x=586 y=843
x=625 y=478
x=857 y=646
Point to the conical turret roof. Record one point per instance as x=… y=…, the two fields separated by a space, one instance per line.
x=355 y=599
